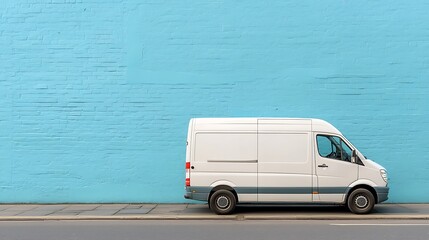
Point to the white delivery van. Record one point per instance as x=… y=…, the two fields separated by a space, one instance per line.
x=232 y=161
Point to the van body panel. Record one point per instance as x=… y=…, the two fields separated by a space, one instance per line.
x=363 y=181
x=222 y=183
x=371 y=171
x=285 y=197
x=225 y=153
x=246 y=198
x=334 y=179
x=236 y=179
x=283 y=125
x=225 y=124
x=322 y=126
x=226 y=147
x=284 y=160
x=273 y=160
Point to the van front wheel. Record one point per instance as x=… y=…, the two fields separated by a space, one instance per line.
x=222 y=202
x=361 y=201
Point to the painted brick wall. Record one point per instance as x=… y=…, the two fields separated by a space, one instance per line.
x=96 y=95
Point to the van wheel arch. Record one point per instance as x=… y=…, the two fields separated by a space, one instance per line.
x=222 y=187
x=367 y=187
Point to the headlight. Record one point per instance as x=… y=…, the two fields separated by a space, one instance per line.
x=383 y=174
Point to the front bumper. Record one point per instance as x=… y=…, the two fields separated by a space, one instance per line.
x=382 y=194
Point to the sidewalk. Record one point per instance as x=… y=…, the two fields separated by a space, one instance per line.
x=28 y=212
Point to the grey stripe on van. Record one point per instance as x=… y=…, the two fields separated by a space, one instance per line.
x=278 y=190
x=291 y=190
x=274 y=190
x=333 y=190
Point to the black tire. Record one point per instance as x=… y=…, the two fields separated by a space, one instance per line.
x=361 y=201
x=222 y=202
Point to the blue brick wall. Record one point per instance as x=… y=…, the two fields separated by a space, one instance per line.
x=96 y=95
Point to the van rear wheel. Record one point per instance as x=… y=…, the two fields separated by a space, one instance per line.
x=222 y=202
x=361 y=201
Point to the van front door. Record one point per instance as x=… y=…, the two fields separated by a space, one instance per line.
x=334 y=169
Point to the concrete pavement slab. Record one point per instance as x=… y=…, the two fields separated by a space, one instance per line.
x=196 y=206
x=21 y=207
x=134 y=206
x=35 y=213
x=170 y=206
x=197 y=210
x=149 y=205
x=112 y=206
x=10 y=213
x=415 y=208
x=4 y=207
x=393 y=208
x=169 y=209
x=133 y=211
x=104 y=212
x=59 y=213
x=81 y=207
x=50 y=207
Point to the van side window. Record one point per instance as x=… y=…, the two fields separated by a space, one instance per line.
x=333 y=147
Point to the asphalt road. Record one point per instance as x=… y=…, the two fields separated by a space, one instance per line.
x=204 y=230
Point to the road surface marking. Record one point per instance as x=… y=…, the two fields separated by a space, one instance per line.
x=379 y=224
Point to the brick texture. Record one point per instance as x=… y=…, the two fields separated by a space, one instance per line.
x=95 y=96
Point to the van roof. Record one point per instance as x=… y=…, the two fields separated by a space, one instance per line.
x=309 y=124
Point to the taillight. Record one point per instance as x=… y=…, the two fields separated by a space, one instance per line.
x=188 y=177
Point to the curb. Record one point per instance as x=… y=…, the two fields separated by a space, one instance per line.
x=214 y=217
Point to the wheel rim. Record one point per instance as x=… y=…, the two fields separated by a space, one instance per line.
x=222 y=202
x=361 y=201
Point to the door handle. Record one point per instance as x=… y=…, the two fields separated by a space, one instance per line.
x=322 y=166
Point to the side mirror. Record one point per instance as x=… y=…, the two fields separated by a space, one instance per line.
x=354 y=156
